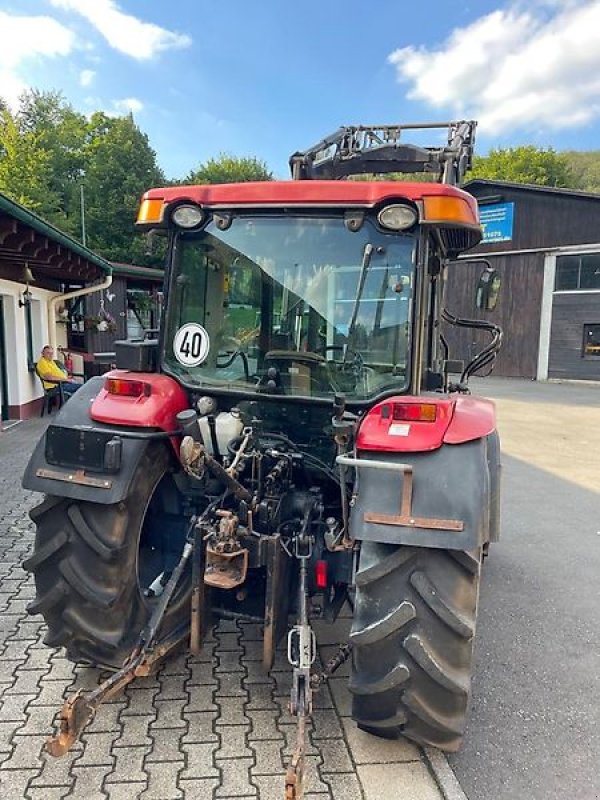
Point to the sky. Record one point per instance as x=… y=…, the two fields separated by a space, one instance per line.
x=270 y=77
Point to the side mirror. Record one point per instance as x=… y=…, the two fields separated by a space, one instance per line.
x=488 y=289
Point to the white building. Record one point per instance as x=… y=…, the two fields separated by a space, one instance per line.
x=40 y=267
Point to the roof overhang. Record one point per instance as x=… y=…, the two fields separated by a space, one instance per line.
x=27 y=240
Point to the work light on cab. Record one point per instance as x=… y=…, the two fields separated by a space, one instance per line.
x=188 y=216
x=397 y=217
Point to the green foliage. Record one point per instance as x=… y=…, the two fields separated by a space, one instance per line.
x=230 y=169
x=25 y=167
x=585 y=168
x=525 y=164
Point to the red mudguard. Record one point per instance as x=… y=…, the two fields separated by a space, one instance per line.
x=458 y=419
x=157 y=408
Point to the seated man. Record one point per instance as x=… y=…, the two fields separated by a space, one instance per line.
x=51 y=373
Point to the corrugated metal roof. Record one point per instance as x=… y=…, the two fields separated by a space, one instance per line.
x=532 y=187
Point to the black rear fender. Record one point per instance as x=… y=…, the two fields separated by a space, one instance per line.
x=454 y=501
x=71 y=459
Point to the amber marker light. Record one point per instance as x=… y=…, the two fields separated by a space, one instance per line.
x=414 y=412
x=127 y=388
x=438 y=208
x=151 y=211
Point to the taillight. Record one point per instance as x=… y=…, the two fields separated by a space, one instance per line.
x=414 y=412
x=127 y=388
x=321 y=574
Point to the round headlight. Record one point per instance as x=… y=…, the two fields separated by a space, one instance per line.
x=187 y=216
x=397 y=217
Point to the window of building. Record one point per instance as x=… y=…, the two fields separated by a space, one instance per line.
x=577 y=272
x=591 y=340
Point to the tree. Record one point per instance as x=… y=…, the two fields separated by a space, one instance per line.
x=585 y=167
x=524 y=164
x=230 y=169
x=119 y=167
x=25 y=170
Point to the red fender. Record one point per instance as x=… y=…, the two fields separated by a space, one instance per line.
x=458 y=419
x=156 y=408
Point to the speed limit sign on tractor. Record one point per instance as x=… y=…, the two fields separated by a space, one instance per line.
x=191 y=344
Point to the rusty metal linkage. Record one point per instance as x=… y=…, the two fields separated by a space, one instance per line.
x=81 y=708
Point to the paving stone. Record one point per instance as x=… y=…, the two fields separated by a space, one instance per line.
x=231 y=685
x=173 y=687
x=341 y=696
x=27 y=629
x=332 y=634
x=134 y=732
x=97 y=749
x=335 y=755
x=166 y=746
x=200 y=727
x=227 y=626
x=327 y=724
x=231 y=712
x=196 y=790
x=229 y=662
x=57 y=771
x=368 y=749
x=40 y=719
x=252 y=631
x=140 y=702
x=107 y=719
x=27 y=682
x=14 y=651
x=45 y=793
x=268 y=759
x=162 y=783
x=200 y=761
x=60 y=669
x=234 y=742
x=201 y=673
x=256 y=674
x=411 y=781
x=235 y=779
x=201 y=698
x=52 y=693
x=128 y=765
x=263 y=726
x=88 y=782
x=168 y=715
x=343 y=787
x=26 y=752
x=39 y=659
x=7 y=730
x=175 y=665
x=123 y=791
x=228 y=642
x=261 y=699
x=14 y=783
x=253 y=651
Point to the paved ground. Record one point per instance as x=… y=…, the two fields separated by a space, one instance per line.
x=207 y=727
x=534 y=727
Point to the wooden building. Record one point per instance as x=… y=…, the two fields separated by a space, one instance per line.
x=544 y=244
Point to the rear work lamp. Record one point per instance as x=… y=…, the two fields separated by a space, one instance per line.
x=187 y=216
x=397 y=217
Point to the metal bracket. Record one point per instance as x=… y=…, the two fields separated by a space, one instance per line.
x=405 y=518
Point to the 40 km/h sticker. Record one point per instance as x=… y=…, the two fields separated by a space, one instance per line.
x=191 y=344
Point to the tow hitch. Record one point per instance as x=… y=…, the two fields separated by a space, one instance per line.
x=80 y=709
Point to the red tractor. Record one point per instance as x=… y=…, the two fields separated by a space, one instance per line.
x=292 y=432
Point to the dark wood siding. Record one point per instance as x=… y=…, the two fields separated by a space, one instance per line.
x=544 y=219
x=570 y=312
x=517 y=312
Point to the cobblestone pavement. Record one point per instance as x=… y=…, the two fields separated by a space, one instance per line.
x=213 y=726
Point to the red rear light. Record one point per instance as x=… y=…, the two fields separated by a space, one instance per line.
x=414 y=412
x=127 y=388
x=321 y=574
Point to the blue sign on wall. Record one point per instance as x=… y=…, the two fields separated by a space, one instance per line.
x=497 y=222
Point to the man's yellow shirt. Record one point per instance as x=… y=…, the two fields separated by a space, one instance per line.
x=46 y=368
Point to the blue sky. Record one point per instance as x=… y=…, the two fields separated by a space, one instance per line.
x=267 y=78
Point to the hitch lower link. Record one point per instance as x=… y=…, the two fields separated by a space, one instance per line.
x=79 y=709
x=302 y=653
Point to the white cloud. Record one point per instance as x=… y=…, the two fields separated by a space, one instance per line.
x=86 y=77
x=124 y=32
x=25 y=39
x=128 y=104
x=537 y=68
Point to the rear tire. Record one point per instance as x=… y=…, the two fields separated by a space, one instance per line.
x=412 y=635
x=91 y=563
